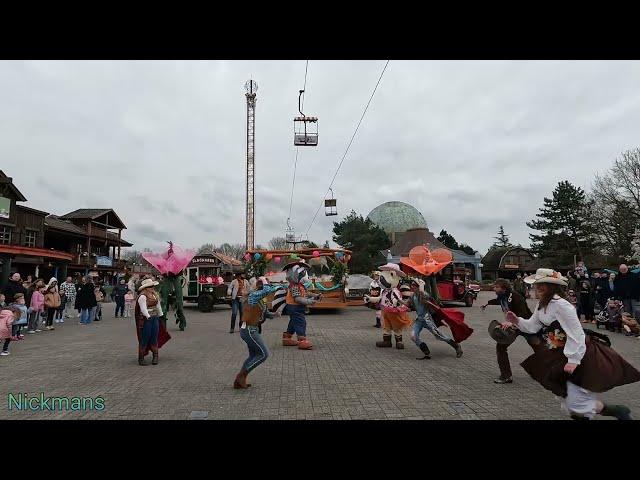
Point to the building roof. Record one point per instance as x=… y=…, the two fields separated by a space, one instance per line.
x=395 y=217
x=227 y=259
x=9 y=182
x=422 y=236
x=57 y=223
x=32 y=210
x=493 y=258
x=93 y=214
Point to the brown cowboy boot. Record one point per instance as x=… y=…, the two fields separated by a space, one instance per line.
x=399 y=344
x=241 y=379
x=386 y=341
x=141 y=356
x=304 y=344
x=288 y=341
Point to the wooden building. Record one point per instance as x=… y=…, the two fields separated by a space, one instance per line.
x=32 y=242
x=507 y=262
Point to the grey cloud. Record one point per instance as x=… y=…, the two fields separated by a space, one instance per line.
x=472 y=144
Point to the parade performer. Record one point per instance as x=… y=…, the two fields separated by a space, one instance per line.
x=150 y=330
x=293 y=302
x=374 y=291
x=515 y=302
x=170 y=265
x=394 y=311
x=255 y=313
x=576 y=364
x=419 y=302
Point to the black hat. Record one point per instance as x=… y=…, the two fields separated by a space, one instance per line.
x=506 y=337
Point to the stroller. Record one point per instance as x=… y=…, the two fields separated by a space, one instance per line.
x=602 y=319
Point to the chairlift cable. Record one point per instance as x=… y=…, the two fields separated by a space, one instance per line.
x=349 y=145
x=295 y=163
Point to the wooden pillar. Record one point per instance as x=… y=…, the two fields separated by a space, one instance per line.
x=119 y=240
x=89 y=241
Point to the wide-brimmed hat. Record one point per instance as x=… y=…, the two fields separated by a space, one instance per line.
x=546 y=275
x=419 y=282
x=506 y=337
x=146 y=283
x=302 y=263
x=392 y=267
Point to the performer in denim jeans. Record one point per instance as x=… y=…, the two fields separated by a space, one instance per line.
x=255 y=312
x=424 y=320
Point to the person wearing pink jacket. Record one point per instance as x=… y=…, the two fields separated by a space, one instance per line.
x=8 y=315
x=36 y=309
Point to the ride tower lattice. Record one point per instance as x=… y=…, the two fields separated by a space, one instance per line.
x=251 y=88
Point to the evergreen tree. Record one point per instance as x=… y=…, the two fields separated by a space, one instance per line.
x=565 y=223
x=363 y=237
x=467 y=249
x=502 y=240
x=448 y=240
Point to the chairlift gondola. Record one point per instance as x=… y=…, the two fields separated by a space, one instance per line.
x=330 y=207
x=305 y=129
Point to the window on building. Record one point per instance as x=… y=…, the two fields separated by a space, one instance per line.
x=30 y=238
x=5 y=235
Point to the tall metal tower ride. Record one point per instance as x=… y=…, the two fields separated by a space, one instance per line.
x=251 y=88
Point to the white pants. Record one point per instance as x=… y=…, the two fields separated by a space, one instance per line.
x=579 y=401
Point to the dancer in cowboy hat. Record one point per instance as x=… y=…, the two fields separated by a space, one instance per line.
x=149 y=329
x=510 y=301
x=576 y=364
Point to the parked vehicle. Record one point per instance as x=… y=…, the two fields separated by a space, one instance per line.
x=202 y=283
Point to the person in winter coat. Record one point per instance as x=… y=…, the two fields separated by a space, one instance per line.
x=36 y=309
x=14 y=286
x=119 y=291
x=627 y=287
x=52 y=303
x=8 y=315
x=68 y=289
x=24 y=316
x=86 y=300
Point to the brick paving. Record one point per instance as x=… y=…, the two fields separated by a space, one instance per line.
x=344 y=377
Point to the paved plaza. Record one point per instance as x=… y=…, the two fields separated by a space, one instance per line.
x=344 y=377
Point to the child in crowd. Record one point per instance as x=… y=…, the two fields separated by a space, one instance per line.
x=24 y=316
x=36 y=309
x=614 y=311
x=631 y=327
x=2 y=302
x=573 y=299
x=8 y=315
x=129 y=301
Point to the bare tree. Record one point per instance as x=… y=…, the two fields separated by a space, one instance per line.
x=620 y=186
x=278 y=243
x=237 y=250
x=206 y=248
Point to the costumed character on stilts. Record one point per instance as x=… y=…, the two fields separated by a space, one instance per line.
x=293 y=302
x=394 y=312
x=170 y=265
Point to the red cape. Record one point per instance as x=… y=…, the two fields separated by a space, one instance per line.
x=163 y=335
x=454 y=319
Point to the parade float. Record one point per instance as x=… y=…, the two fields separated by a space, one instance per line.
x=203 y=281
x=329 y=273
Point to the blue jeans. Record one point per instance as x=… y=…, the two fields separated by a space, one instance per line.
x=297 y=320
x=236 y=306
x=258 y=352
x=427 y=323
x=150 y=329
x=85 y=316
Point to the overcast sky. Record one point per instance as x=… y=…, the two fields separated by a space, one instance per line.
x=471 y=144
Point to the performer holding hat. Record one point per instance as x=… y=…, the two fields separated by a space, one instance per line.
x=576 y=364
x=510 y=301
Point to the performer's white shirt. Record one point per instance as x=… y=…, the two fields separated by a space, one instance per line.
x=142 y=301
x=561 y=310
x=374 y=284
